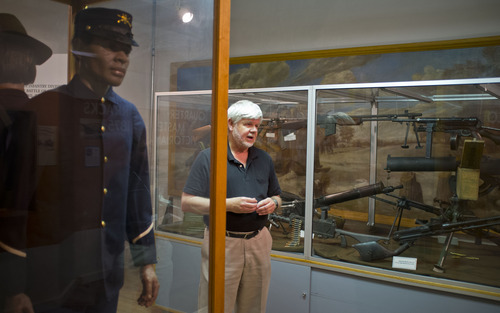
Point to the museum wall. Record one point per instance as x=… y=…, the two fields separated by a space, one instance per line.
x=278 y=26
x=261 y=27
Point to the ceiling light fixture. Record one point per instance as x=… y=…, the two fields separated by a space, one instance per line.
x=187 y=17
x=184 y=11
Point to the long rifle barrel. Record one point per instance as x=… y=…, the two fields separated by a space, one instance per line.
x=414 y=233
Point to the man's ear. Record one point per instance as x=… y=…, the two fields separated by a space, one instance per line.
x=230 y=124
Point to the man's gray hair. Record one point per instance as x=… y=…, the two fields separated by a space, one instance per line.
x=244 y=109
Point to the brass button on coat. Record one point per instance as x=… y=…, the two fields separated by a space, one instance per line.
x=103 y=224
x=105 y=191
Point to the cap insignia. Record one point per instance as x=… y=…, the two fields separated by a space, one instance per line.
x=124 y=19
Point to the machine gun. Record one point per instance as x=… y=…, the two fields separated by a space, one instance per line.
x=293 y=213
x=298 y=206
x=324 y=228
x=489 y=168
x=449 y=220
x=372 y=250
x=330 y=121
x=457 y=127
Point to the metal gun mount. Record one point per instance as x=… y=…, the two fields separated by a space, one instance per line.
x=371 y=251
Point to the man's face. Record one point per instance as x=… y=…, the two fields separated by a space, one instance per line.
x=109 y=65
x=245 y=132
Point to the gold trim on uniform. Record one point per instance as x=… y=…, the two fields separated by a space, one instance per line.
x=9 y=249
x=143 y=234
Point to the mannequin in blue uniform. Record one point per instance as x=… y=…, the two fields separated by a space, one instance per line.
x=92 y=178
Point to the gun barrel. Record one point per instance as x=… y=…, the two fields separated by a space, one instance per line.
x=352 y=194
x=386 y=117
x=421 y=164
x=450 y=121
x=410 y=203
x=474 y=223
x=414 y=233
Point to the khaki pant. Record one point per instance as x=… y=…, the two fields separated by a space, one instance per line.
x=247 y=274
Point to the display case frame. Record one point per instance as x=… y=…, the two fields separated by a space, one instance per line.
x=306 y=256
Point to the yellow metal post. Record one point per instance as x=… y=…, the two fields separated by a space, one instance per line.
x=218 y=170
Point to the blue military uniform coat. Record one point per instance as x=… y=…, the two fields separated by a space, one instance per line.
x=92 y=192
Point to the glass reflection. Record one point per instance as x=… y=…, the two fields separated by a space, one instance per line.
x=19 y=55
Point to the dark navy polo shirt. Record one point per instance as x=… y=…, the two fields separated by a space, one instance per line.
x=257 y=180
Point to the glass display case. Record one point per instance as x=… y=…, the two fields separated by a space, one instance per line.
x=398 y=177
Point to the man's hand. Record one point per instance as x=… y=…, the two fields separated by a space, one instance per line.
x=150 y=286
x=241 y=205
x=266 y=206
x=19 y=303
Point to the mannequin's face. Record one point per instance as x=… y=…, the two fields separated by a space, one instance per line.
x=109 y=65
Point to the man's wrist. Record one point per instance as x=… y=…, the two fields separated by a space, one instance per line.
x=276 y=203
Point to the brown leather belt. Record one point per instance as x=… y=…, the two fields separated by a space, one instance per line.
x=243 y=235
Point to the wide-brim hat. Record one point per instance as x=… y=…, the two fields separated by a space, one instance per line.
x=111 y=24
x=11 y=30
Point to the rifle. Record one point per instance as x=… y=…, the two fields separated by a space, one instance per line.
x=293 y=213
x=456 y=126
x=371 y=251
x=328 y=122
